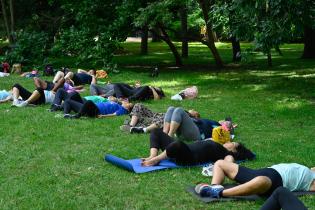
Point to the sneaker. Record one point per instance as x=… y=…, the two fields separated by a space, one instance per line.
x=125 y=128
x=16 y=102
x=136 y=130
x=207 y=170
x=54 y=108
x=205 y=190
x=22 y=104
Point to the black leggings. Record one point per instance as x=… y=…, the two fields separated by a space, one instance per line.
x=62 y=95
x=283 y=198
x=246 y=174
x=176 y=150
x=25 y=94
x=88 y=108
x=126 y=91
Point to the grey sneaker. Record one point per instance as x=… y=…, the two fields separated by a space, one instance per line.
x=125 y=128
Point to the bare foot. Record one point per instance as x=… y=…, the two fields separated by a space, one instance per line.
x=146 y=159
x=151 y=162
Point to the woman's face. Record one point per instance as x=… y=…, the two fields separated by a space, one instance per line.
x=231 y=146
x=194 y=113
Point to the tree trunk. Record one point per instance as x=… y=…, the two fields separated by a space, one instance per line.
x=183 y=20
x=144 y=40
x=5 y=19
x=156 y=37
x=236 y=49
x=205 y=6
x=269 y=59
x=12 y=20
x=172 y=47
x=309 y=43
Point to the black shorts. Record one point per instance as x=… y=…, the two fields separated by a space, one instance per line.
x=246 y=174
x=50 y=85
x=81 y=79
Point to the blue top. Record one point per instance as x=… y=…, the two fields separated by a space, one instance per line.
x=110 y=107
x=205 y=127
x=4 y=94
x=294 y=176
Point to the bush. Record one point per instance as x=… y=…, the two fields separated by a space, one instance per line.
x=30 y=48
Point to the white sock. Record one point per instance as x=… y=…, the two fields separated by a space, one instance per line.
x=145 y=130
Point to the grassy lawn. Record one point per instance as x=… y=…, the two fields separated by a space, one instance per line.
x=54 y=163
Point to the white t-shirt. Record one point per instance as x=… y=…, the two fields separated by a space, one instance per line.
x=294 y=176
x=49 y=96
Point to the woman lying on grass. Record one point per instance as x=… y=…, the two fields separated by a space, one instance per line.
x=99 y=109
x=262 y=181
x=37 y=97
x=189 y=126
x=143 y=120
x=198 y=152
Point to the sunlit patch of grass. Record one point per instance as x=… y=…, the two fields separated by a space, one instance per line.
x=255 y=87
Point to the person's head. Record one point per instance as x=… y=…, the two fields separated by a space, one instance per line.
x=226 y=125
x=193 y=113
x=127 y=105
x=159 y=91
x=239 y=151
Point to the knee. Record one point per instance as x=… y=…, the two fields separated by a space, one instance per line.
x=219 y=163
x=263 y=182
x=16 y=85
x=170 y=109
x=179 y=111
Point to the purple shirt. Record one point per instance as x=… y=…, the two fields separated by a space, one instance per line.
x=110 y=107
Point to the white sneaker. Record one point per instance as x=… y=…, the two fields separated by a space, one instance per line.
x=22 y=104
x=16 y=102
x=207 y=170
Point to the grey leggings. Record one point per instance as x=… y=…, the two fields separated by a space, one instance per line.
x=106 y=90
x=187 y=130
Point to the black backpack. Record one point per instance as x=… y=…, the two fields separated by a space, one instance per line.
x=49 y=70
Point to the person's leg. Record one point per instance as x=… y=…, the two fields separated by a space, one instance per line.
x=18 y=90
x=282 y=198
x=58 y=84
x=155 y=160
x=133 y=121
x=180 y=152
x=257 y=185
x=167 y=119
x=71 y=105
x=150 y=128
x=60 y=96
x=69 y=75
x=59 y=75
x=141 y=93
x=39 y=83
x=123 y=90
x=183 y=125
x=96 y=90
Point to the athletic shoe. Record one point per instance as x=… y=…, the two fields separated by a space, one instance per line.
x=125 y=128
x=16 y=102
x=22 y=104
x=205 y=190
x=136 y=130
x=54 y=108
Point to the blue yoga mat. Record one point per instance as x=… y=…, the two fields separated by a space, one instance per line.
x=134 y=165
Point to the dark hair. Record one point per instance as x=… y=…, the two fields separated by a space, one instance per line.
x=159 y=91
x=242 y=153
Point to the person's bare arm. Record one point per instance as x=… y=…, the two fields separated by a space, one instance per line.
x=106 y=115
x=155 y=95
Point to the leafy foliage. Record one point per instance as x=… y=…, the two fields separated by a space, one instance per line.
x=30 y=48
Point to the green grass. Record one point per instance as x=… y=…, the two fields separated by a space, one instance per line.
x=53 y=163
